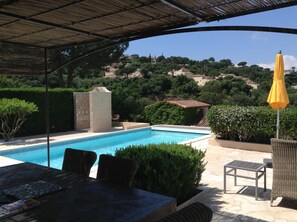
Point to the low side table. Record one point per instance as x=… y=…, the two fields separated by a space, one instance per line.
x=230 y=169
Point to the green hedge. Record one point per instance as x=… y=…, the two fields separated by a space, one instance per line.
x=60 y=109
x=251 y=124
x=170 y=169
x=167 y=113
x=288 y=123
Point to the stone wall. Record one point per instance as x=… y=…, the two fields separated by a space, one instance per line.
x=81 y=110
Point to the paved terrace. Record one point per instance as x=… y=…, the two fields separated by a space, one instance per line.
x=238 y=204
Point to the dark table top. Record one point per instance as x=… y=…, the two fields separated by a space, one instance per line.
x=84 y=199
x=245 y=165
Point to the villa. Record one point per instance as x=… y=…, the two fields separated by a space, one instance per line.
x=32 y=30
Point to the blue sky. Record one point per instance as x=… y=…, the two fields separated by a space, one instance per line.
x=249 y=46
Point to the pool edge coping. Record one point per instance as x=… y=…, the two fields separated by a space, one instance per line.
x=111 y=133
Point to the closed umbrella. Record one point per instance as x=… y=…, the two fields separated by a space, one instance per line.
x=278 y=97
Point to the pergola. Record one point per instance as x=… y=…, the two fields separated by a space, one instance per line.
x=36 y=26
x=53 y=24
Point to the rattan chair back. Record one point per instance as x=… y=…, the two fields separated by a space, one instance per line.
x=116 y=170
x=78 y=161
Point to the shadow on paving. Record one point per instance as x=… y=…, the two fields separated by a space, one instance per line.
x=250 y=192
x=212 y=198
x=287 y=203
x=230 y=217
x=35 y=139
x=265 y=196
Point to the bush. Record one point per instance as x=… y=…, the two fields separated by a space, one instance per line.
x=169 y=169
x=13 y=113
x=251 y=124
x=61 y=111
x=167 y=113
x=288 y=123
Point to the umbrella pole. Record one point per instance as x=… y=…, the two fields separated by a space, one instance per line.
x=277 y=124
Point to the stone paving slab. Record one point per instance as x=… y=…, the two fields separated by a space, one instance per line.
x=239 y=203
x=4 y=161
x=54 y=137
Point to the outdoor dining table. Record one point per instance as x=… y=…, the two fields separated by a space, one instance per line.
x=83 y=199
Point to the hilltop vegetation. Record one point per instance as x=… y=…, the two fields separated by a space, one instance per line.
x=157 y=82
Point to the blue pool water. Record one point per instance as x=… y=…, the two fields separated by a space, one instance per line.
x=101 y=144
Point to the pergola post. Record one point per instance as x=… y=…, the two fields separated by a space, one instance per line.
x=47 y=119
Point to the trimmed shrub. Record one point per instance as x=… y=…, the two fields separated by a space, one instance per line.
x=13 y=113
x=288 y=123
x=169 y=169
x=251 y=124
x=61 y=112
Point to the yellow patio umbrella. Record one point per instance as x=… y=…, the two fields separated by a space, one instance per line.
x=278 y=97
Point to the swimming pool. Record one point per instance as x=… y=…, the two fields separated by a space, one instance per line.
x=102 y=144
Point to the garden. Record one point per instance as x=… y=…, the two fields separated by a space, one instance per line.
x=251 y=123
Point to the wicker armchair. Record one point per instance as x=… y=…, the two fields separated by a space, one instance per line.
x=195 y=212
x=284 y=159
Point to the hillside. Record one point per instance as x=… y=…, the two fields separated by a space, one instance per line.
x=137 y=81
x=201 y=71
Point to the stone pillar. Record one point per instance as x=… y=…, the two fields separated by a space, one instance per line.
x=100 y=109
x=81 y=110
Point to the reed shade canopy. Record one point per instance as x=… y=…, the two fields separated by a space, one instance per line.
x=278 y=97
x=30 y=30
x=28 y=27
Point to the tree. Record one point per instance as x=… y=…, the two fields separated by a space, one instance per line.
x=156 y=87
x=226 y=90
x=204 y=63
x=85 y=67
x=161 y=58
x=211 y=98
x=144 y=59
x=242 y=64
x=125 y=71
x=13 y=113
x=291 y=79
x=260 y=96
x=183 y=87
x=211 y=93
x=211 y=59
x=178 y=60
x=226 y=62
x=241 y=99
x=292 y=93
